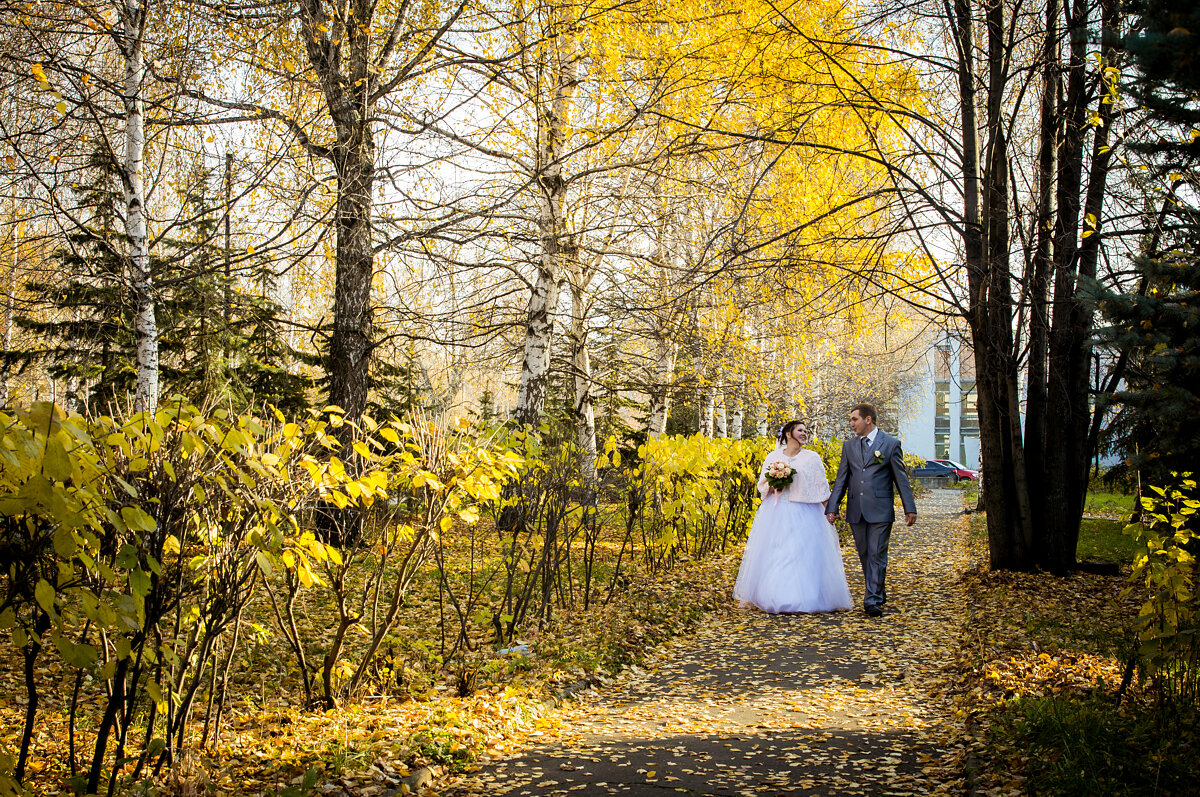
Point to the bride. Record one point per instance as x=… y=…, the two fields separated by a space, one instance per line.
x=793 y=560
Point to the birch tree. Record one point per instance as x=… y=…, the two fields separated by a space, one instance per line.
x=564 y=176
x=88 y=63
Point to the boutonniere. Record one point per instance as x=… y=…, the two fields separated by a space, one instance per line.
x=879 y=456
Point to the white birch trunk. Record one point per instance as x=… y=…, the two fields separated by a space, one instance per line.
x=667 y=349
x=738 y=417
x=660 y=393
x=585 y=416
x=77 y=388
x=721 y=419
x=762 y=421
x=539 y=330
x=557 y=244
x=8 y=313
x=708 y=394
x=145 y=325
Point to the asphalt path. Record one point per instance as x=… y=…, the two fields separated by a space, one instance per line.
x=760 y=704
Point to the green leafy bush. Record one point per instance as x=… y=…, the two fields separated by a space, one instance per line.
x=1167 y=623
x=130 y=546
x=131 y=549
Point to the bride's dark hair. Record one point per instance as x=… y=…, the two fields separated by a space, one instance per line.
x=787 y=430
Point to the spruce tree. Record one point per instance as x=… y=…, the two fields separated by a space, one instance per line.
x=268 y=368
x=197 y=337
x=222 y=339
x=224 y=335
x=85 y=326
x=1158 y=325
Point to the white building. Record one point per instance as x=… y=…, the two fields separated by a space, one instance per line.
x=938 y=419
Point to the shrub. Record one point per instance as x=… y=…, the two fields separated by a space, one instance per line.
x=1169 y=652
x=130 y=546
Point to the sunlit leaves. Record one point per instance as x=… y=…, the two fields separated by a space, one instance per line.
x=1167 y=569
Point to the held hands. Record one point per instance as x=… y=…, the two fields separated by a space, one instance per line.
x=909 y=519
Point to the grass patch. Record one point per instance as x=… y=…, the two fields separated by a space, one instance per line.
x=970 y=490
x=1090 y=746
x=1114 y=504
x=1042 y=659
x=977 y=530
x=1105 y=541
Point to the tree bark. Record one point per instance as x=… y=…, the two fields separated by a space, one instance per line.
x=359 y=59
x=1039 y=278
x=145 y=324
x=349 y=83
x=584 y=412
x=708 y=399
x=664 y=379
x=738 y=417
x=985 y=240
x=1067 y=451
x=9 y=302
x=353 y=314
x=539 y=331
x=557 y=244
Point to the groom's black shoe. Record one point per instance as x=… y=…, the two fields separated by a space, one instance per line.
x=874 y=611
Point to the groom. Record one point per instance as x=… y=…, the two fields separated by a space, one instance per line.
x=871 y=465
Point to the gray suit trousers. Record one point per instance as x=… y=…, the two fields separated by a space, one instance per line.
x=871 y=540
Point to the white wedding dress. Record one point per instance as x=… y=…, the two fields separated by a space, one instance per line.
x=793 y=561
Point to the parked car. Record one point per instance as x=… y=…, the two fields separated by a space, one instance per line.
x=934 y=469
x=962 y=471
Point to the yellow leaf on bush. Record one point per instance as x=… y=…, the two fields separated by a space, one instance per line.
x=136 y=519
x=56 y=464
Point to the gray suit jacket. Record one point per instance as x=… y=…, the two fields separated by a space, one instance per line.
x=867 y=482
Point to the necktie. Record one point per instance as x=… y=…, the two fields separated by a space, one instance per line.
x=862 y=445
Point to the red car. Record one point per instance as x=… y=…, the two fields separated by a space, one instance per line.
x=960 y=470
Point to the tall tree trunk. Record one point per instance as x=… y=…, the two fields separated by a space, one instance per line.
x=145 y=325
x=738 y=417
x=539 y=331
x=1068 y=454
x=1061 y=398
x=664 y=378
x=721 y=418
x=341 y=57
x=989 y=309
x=585 y=417
x=77 y=388
x=227 y=293
x=351 y=107
x=9 y=302
x=353 y=314
x=557 y=244
x=1039 y=278
x=708 y=397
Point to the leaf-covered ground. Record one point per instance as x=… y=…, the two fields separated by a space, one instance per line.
x=401 y=729
x=753 y=703
x=712 y=700
x=1039 y=679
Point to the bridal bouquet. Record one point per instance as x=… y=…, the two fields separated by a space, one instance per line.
x=779 y=475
